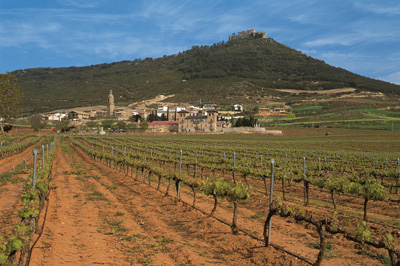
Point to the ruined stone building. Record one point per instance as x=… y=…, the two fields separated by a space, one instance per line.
x=248 y=34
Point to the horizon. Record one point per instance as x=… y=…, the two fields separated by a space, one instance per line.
x=359 y=36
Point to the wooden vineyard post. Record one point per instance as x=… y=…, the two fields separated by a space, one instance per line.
x=398 y=172
x=47 y=151
x=304 y=178
x=195 y=167
x=112 y=155
x=35 y=152
x=42 y=156
x=144 y=163
x=398 y=167
x=234 y=165
x=124 y=158
x=178 y=182
x=270 y=200
x=319 y=164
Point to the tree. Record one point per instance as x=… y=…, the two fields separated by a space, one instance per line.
x=246 y=122
x=144 y=125
x=256 y=110
x=37 y=122
x=239 y=122
x=121 y=125
x=92 y=124
x=153 y=117
x=133 y=126
x=134 y=118
x=10 y=97
x=62 y=125
x=164 y=117
x=107 y=124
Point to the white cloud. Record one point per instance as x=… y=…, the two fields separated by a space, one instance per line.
x=17 y=34
x=379 y=7
x=78 y=4
x=345 y=40
x=392 y=78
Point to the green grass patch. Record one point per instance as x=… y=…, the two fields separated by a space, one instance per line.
x=308 y=108
x=10 y=177
x=146 y=261
x=329 y=249
x=258 y=215
x=165 y=240
x=95 y=177
x=96 y=195
x=384 y=259
x=114 y=223
x=112 y=187
x=133 y=238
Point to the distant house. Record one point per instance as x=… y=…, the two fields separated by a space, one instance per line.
x=123 y=113
x=143 y=112
x=100 y=113
x=265 y=111
x=238 y=107
x=280 y=110
x=163 y=126
x=271 y=111
x=76 y=115
x=56 y=117
x=209 y=106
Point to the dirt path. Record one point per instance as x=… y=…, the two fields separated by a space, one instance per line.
x=333 y=91
x=76 y=232
x=100 y=216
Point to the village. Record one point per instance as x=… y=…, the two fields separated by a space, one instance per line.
x=158 y=116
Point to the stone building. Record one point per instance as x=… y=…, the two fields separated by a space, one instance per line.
x=198 y=123
x=111 y=106
x=248 y=34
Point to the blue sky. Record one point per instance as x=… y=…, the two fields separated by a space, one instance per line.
x=362 y=36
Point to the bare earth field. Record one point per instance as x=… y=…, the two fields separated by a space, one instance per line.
x=98 y=215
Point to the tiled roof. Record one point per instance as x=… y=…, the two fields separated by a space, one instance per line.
x=197 y=117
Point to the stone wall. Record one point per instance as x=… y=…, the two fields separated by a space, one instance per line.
x=251 y=130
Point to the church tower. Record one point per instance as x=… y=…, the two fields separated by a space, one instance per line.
x=111 y=106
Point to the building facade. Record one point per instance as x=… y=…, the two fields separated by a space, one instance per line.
x=198 y=123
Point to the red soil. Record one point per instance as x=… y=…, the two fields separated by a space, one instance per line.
x=100 y=216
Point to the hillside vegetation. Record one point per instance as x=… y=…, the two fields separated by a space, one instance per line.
x=244 y=71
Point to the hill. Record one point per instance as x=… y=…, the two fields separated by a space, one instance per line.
x=249 y=71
